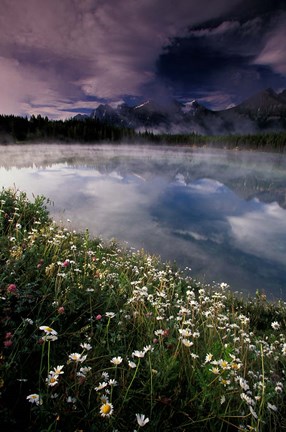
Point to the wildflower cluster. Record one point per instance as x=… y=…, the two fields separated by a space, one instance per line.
x=120 y=341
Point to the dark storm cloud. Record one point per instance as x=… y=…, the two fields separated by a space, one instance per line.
x=221 y=62
x=63 y=56
x=57 y=53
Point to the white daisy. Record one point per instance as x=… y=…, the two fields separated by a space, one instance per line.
x=142 y=420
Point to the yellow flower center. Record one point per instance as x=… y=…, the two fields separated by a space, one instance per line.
x=106 y=408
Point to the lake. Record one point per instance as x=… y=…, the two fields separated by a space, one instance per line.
x=220 y=213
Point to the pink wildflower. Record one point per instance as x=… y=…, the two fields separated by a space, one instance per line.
x=12 y=288
x=8 y=335
x=8 y=343
x=40 y=263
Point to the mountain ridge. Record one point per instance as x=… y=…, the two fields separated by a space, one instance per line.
x=263 y=111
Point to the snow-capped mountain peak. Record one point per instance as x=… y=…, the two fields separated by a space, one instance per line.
x=142 y=105
x=190 y=106
x=264 y=111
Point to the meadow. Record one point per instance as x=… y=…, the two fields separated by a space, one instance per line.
x=98 y=337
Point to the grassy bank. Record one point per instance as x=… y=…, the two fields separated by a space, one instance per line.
x=97 y=338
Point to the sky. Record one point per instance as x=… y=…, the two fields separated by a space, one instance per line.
x=60 y=58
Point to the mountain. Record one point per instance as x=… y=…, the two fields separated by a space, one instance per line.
x=282 y=96
x=264 y=103
x=109 y=115
x=81 y=117
x=264 y=111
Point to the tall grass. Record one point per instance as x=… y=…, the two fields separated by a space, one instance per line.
x=99 y=338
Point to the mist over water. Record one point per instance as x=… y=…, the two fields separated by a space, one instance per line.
x=221 y=213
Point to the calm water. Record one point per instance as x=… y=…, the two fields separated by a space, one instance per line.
x=221 y=213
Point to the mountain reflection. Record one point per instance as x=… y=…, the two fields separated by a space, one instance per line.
x=220 y=213
x=248 y=174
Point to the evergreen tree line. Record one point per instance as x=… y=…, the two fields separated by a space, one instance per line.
x=271 y=141
x=15 y=129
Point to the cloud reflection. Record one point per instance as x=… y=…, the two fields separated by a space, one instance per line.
x=185 y=206
x=208 y=210
x=261 y=232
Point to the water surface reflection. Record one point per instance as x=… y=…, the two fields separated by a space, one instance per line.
x=221 y=213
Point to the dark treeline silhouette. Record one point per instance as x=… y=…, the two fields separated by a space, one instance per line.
x=15 y=129
x=41 y=129
x=272 y=141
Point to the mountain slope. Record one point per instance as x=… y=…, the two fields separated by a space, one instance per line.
x=264 y=111
x=264 y=103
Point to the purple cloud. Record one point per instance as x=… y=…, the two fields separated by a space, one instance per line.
x=273 y=53
x=56 y=54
